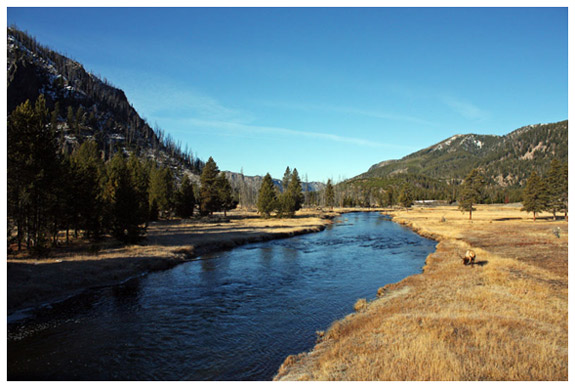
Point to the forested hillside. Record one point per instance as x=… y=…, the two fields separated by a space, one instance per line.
x=83 y=106
x=435 y=172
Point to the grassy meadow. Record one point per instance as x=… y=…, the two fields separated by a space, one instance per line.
x=505 y=318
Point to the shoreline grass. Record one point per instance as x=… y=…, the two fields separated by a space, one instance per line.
x=505 y=318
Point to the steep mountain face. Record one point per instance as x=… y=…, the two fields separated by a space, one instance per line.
x=85 y=106
x=506 y=160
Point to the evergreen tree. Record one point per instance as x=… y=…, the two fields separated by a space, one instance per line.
x=406 y=196
x=123 y=211
x=472 y=191
x=329 y=195
x=225 y=193
x=34 y=172
x=209 y=195
x=267 y=199
x=140 y=178
x=534 y=195
x=292 y=198
x=160 y=191
x=185 y=199
x=295 y=188
x=556 y=185
x=71 y=118
x=389 y=196
x=285 y=200
x=285 y=180
x=87 y=169
x=80 y=117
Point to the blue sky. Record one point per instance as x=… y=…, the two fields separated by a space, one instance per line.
x=329 y=91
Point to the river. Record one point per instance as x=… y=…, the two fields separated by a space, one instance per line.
x=233 y=315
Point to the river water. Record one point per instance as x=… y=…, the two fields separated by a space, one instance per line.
x=234 y=315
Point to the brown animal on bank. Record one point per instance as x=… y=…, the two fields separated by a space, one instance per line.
x=469 y=257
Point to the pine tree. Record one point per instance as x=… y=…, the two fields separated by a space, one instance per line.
x=285 y=180
x=406 y=196
x=123 y=211
x=227 y=200
x=329 y=195
x=534 y=195
x=267 y=199
x=295 y=189
x=556 y=186
x=389 y=196
x=160 y=192
x=34 y=171
x=71 y=119
x=284 y=199
x=185 y=199
x=209 y=196
x=140 y=178
x=292 y=198
x=87 y=170
x=471 y=192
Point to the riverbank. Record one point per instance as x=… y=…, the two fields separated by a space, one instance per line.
x=505 y=318
x=34 y=282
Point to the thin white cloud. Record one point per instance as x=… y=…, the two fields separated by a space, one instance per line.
x=237 y=128
x=350 y=110
x=163 y=97
x=464 y=108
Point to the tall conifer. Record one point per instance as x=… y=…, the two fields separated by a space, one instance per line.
x=329 y=195
x=209 y=196
x=472 y=191
x=534 y=195
x=267 y=199
x=185 y=199
x=227 y=200
x=556 y=186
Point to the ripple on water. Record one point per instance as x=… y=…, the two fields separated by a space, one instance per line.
x=234 y=316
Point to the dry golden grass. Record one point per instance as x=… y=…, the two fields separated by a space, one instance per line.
x=503 y=319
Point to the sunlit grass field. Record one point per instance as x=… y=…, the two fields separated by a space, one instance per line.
x=504 y=318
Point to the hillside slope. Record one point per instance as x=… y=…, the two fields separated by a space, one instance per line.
x=507 y=160
x=85 y=106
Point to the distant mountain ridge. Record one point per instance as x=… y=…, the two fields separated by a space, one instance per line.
x=507 y=160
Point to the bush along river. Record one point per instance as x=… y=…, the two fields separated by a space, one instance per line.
x=234 y=315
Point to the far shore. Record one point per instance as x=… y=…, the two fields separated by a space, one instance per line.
x=69 y=271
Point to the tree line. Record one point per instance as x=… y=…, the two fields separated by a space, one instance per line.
x=285 y=202
x=546 y=193
x=50 y=191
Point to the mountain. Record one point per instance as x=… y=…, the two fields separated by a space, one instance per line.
x=435 y=172
x=506 y=160
x=85 y=106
